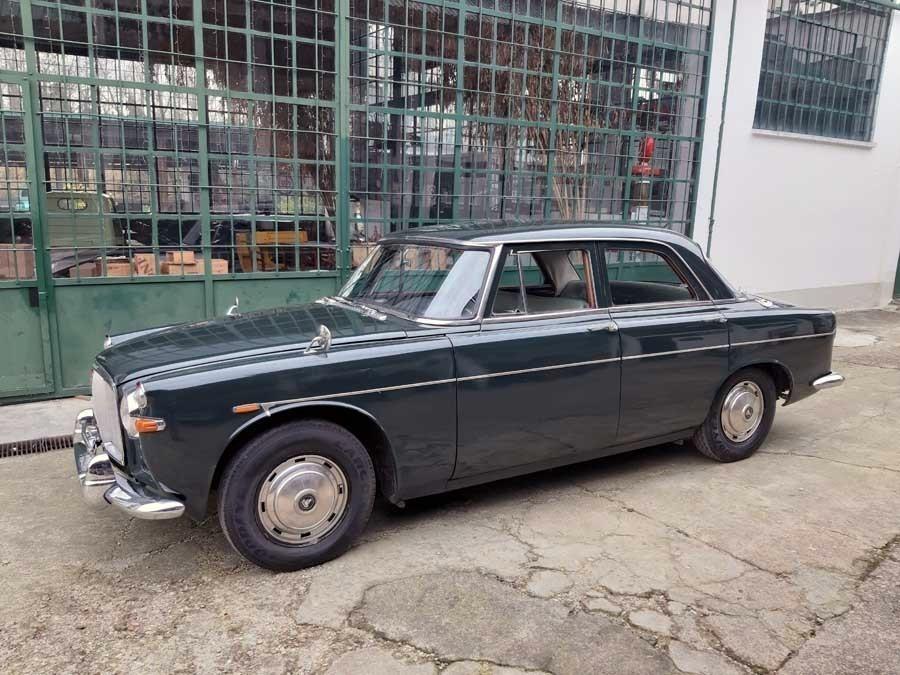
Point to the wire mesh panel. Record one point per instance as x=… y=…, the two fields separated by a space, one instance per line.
x=180 y=137
x=821 y=67
x=524 y=109
x=243 y=136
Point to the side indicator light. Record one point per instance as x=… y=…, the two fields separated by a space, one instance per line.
x=148 y=425
x=246 y=408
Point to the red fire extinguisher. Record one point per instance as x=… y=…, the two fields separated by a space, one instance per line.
x=642 y=180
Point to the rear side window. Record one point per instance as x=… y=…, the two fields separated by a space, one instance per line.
x=641 y=276
x=545 y=282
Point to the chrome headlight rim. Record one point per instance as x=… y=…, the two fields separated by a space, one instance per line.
x=131 y=403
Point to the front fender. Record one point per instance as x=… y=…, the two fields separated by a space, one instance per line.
x=400 y=395
x=359 y=422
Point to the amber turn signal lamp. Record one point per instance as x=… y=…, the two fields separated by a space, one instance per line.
x=246 y=408
x=148 y=425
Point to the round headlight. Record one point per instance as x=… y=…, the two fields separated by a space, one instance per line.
x=132 y=402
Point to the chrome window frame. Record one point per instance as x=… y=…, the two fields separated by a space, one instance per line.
x=503 y=318
x=697 y=283
x=495 y=246
x=446 y=243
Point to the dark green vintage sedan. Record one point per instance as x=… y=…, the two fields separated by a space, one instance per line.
x=452 y=357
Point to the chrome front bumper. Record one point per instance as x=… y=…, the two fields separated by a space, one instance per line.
x=827 y=381
x=103 y=483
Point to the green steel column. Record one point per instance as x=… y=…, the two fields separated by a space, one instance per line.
x=35 y=170
x=457 y=112
x=203 y=158
x=553 y=131
x=342 y=147
x=721 y=134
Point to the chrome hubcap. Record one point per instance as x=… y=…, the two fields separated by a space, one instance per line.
x=302 y=500
x=742 y=411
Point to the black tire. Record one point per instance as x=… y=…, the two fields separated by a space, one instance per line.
x=243 y=478
x=711 y=439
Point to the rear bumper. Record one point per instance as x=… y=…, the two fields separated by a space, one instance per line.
x=827 y=381
x=103 y=483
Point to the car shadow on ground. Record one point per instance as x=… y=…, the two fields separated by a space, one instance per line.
x=497 y=496
x=520 y=488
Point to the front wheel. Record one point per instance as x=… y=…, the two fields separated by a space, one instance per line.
x=297 y=495
x=740 y=417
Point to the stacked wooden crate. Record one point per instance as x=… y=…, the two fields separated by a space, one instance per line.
x=16 y=261
x=144 y=264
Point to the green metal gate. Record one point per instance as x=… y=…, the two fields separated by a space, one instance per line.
x=165 y=156
x=27 y=368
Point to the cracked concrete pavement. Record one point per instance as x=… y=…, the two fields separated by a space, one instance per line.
x=658 y=561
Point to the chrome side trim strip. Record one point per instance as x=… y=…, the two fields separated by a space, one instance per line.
x=267 y=406
x=781 y=339
x=486 y=376
x=359 y=392
x=674 y=351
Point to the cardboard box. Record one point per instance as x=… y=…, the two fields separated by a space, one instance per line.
x=219 y=266
x=181 y=257
x=179 y=268
x=88 y=269
x=358 y=254
x=144 y=264
x=117 y=267
x=16 y=262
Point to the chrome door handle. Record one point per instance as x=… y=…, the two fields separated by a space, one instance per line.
x=715 y=319
x=611 y=327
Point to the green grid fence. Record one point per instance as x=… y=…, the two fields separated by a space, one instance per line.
x=272 y=135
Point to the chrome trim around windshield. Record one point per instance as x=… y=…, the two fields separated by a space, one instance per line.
x=365 y=310
x=425 y=240
x=479 y=315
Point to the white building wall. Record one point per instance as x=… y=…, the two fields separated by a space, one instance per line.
x=809 y=221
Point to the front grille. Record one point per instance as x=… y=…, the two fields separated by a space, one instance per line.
x=106 y=412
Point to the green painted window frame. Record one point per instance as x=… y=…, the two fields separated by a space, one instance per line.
x=821 y=68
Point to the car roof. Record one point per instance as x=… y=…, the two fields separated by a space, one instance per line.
x=512 y=232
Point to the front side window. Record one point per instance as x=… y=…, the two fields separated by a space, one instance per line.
x=821 y=67
x=429 y=282
x=639 y=276
x=545 y=282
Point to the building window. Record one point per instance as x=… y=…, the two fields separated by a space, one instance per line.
x=821 y=67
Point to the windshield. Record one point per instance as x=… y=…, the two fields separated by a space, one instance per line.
x=431 y=282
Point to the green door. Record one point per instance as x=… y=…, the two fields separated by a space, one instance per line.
x=24 y=324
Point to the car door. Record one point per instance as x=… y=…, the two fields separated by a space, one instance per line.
x=539 y=383
x=674 y=340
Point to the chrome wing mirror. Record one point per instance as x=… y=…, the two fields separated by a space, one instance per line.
x=321 y=343
x=233 y=310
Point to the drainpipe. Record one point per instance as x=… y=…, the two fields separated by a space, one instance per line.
x=712 y=205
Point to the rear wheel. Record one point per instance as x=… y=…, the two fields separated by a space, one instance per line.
x=297 y=495
x=740 y=417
